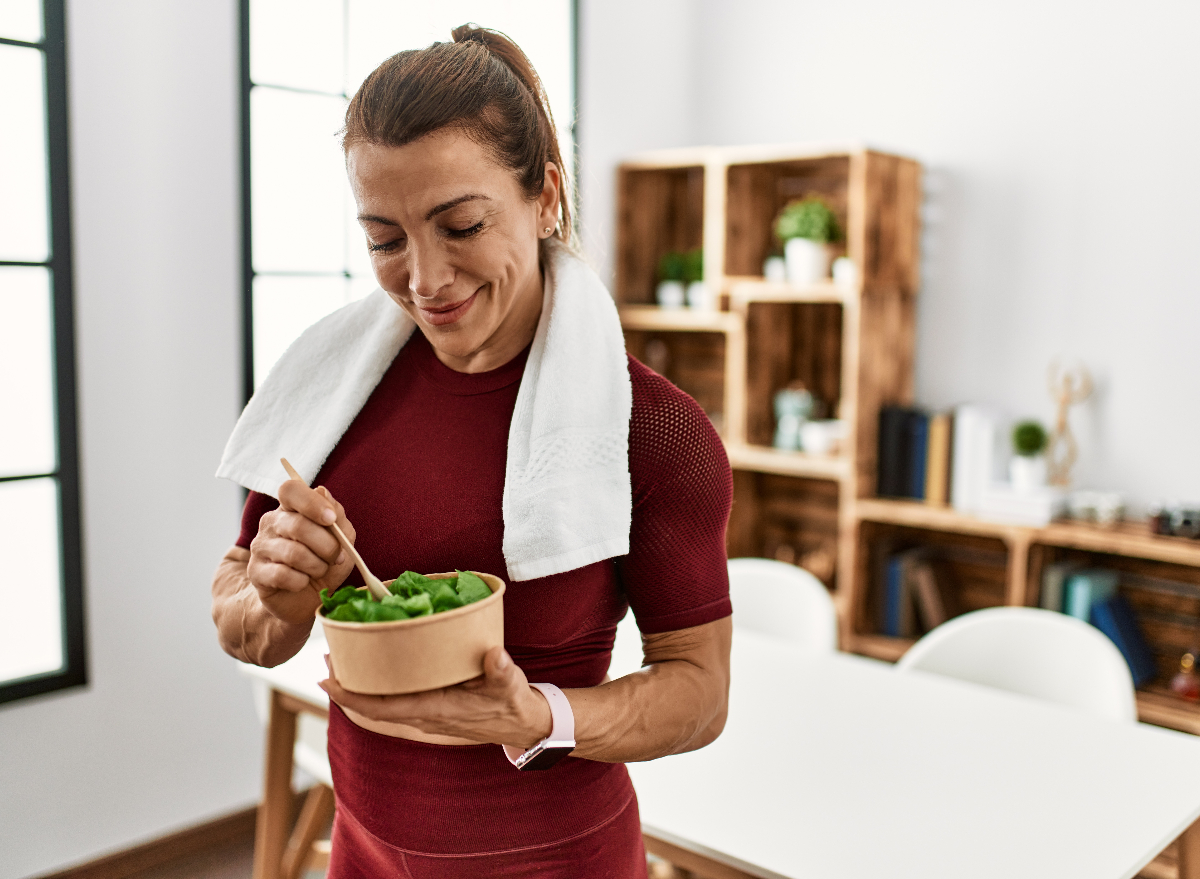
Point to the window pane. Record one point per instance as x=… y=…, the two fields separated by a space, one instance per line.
x=23 y=212
x=27 y=442
x=283 y=308
x=21 y=20
x=299 y=187
x=31 y=640
x=297 y=43
x=361 y=286
x=542 y=28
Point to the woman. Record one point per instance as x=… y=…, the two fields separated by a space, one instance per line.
x=455 y=168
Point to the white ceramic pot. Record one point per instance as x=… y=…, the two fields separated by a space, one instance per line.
x=845 y=273
x=698 y=296
x=1028 y=474
x=670 y=294
x=807 y=261
x=775 y=270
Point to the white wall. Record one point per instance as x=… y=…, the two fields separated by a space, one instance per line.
x=1060 y=140
x=165 y=735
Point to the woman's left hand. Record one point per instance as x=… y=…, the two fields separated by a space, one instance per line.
x=498 y=707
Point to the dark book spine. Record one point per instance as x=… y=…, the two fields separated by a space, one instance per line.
x=894 y=455
x=918 y=429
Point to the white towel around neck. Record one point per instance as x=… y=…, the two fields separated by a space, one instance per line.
x=567 y=496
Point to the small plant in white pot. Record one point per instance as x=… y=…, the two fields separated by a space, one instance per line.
x=806 y=228
x=698 y=295
x=670 y=292
x=1027 y=469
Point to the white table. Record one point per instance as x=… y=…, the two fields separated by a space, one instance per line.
x=843 y=767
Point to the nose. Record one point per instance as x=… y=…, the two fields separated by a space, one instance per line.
x=429 y=271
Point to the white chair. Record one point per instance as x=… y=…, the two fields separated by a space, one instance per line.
x=1031 y=651
x=782 y=600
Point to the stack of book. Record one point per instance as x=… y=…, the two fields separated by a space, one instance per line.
x=913 y=601
x=957 y=457
x=1090 y=594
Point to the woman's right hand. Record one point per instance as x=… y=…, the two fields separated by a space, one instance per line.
x=295 y=554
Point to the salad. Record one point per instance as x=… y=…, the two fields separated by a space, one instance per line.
x=412 y=595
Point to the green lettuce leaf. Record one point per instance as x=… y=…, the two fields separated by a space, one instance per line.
x=340 y=597
x=471 y=588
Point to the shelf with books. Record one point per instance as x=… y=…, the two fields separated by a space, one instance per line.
x=744 y=290
x=684 y=320
x=1127 y=538
x=766 y=459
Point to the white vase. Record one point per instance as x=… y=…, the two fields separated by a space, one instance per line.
x=670 y=294
x=699 y=296
x=1028 y=473
x=845 y=273
x=807 y=261
x=775 y=269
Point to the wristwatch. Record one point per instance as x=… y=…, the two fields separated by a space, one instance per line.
x=555 y=746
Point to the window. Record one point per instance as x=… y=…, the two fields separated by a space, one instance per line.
x=302 y=59
x=41 y=630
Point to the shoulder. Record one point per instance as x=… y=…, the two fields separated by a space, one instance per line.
x=669 y=434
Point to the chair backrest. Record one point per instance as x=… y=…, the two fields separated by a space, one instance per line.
x=627 y=649
x=1036 y=652
x=782 y=600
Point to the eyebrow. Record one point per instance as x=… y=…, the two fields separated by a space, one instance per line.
x=444 y=206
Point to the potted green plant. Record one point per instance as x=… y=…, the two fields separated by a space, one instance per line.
x=1027 y=469
x=670 y=292
x=693 y=276
x=806 y=227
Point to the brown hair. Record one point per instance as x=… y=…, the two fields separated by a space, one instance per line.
x=481 y=83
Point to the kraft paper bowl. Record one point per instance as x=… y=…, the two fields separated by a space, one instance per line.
x=425 y=653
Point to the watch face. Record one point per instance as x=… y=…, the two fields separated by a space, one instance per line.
x=543 y=758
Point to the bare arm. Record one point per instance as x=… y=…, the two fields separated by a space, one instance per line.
x=265 y=598
x=676 y=703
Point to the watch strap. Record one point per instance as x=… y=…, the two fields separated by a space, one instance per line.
x=555 y=746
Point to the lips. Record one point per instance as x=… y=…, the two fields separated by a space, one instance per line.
x=441 y=315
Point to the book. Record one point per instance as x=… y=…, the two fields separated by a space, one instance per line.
x=1054 y=576
x=895 y=457
x=937 y=460
x=1038 y=507
x=918 y=433
x=899 y=618
x=931 y=607
x=975 y=455
x=1114 y=617
x=1087 y=588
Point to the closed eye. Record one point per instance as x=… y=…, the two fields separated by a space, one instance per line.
x=385 y=247
x=466 y=233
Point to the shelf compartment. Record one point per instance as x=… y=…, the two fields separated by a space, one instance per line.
x=692 y=360
x=879 y=646
x=659 y=210
x=786 y=343
x=765 y=459
x=744 y=290
x=1128 y=538
x=788 y=518
x=651 y=318
x=972 y=571
x=758 y=191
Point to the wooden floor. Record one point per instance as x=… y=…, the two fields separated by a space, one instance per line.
x=232 y=861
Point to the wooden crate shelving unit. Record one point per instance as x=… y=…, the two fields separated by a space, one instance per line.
x=853 y=347
x=767 y=335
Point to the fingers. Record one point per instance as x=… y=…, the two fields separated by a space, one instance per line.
x=311 y=503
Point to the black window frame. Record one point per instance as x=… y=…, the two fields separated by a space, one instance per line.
x=248 y=273
x=74 y=672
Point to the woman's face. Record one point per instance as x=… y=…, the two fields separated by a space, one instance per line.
x=454 y=241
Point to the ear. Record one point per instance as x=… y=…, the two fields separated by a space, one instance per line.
x=547 y=202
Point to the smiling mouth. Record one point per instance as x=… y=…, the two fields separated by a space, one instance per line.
x=441 y=315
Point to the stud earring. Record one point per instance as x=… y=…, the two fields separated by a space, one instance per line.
x=546 y=231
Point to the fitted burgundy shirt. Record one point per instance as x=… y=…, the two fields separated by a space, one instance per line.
x=420 y=473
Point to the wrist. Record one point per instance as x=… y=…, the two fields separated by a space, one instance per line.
x=538 y=721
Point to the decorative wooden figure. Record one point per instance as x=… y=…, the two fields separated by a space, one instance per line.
x=1067 y=388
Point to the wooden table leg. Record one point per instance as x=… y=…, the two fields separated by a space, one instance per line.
x=1189 y=852
x=274 y=812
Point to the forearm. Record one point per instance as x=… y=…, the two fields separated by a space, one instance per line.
x=245 y=628
x=668 y=707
